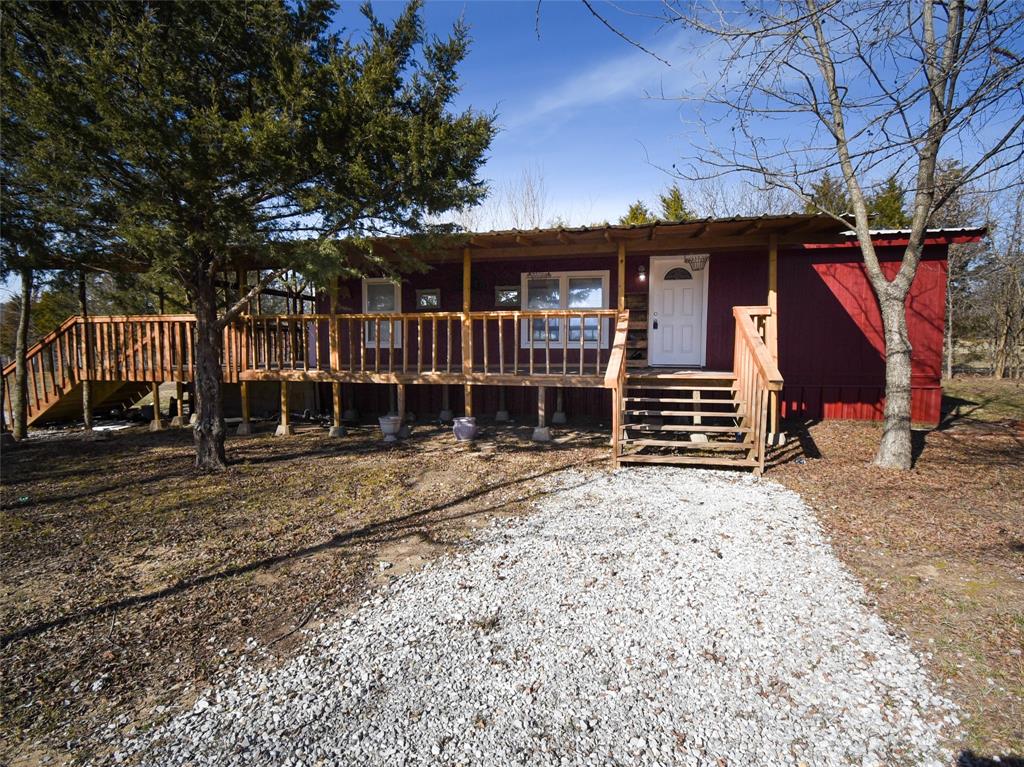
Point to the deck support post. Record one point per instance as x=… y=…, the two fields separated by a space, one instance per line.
x=156 y=424
x=179 y=419
x=502 y=415
x=392 y=403
x=350 y=414
x=446 y=407
x=558 y=417
x=284 y=428
x=542 y=433
x=468 y=395
x=403 y=431
x=245 y=427
x=337 y=429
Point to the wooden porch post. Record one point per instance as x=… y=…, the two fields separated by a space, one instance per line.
x=542 y=433
x=284 y=428
x=467 y=327
x=621 y=288
x=156 y=424
x=245 y=427
x=772 y=329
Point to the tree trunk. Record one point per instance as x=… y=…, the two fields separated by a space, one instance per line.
x=895 y=450
x=19 y=402
x=208 y=431
x=83 y=309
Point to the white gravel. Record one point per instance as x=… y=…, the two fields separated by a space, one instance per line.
x=652 y=616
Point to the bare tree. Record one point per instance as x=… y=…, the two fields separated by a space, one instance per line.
x=885 y=88
x=715 y=198
x=525 y=202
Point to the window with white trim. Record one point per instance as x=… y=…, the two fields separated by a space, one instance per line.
x=569 y=291
x=382 y=296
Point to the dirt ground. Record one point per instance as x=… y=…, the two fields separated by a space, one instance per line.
x=128 y=582
x=940 y=548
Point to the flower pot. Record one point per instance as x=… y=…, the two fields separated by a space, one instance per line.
x=389 y=426
x=465 y=428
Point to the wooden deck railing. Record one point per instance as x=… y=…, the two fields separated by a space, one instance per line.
x=426 y=343
x=498 y=346
x=756 y=373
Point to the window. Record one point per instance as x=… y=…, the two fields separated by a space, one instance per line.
x=565 y=290
x=507 y=296
x=678 y=273
x=382 y=296
x=428 y=300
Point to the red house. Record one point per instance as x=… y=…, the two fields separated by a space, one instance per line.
x=692 y=340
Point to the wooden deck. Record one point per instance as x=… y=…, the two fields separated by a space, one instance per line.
x=659 y=414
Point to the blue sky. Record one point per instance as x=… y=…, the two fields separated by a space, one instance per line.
x=576 y=104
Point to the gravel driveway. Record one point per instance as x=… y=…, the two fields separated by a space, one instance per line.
x=651 y=616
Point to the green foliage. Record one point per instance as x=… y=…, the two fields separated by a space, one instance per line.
x=673 y=206
x=828 y=194
x=885 y=205
x=638 y=213
x=203 y=130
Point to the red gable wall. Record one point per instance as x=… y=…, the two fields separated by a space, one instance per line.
x=830 y=334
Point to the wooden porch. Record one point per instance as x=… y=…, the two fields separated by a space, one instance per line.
x=729 y=410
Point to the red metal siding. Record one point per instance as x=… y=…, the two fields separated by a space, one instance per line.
x=830 y=334
x=734 y=279
x=830 y=341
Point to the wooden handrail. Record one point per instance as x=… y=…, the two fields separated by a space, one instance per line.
x=762 y=357
x=617 y=360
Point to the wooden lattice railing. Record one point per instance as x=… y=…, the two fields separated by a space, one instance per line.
x=756 y=373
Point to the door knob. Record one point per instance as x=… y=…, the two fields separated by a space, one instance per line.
x=655 y=325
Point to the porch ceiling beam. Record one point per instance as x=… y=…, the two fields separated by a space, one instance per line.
x=753 y=226
x=700 y=232
x=664 y=242
x=476 y=242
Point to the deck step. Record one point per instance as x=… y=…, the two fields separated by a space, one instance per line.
x=689 y=460
x=677 y=386
x=688 y=427
x=687 y=413
x=686 y=401
x=678 y=444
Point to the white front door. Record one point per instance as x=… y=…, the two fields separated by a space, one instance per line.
x=676 y=322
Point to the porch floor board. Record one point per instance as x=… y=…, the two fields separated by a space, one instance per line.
x=480 y=376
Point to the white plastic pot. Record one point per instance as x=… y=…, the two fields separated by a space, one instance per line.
x=389 y=426
x=465 y=428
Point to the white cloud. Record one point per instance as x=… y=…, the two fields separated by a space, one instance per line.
x=634 y=74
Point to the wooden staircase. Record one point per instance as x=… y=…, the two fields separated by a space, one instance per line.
x=122 y=357
x=696 y=418
x=700 y=417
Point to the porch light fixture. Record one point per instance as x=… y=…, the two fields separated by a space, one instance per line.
x=641 y=273
x=696 y=261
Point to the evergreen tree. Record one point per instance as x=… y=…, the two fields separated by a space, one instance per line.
x=673 y=206
x=215 y=129
x=828 y=194
x=638 y=213
x=885 y=204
